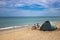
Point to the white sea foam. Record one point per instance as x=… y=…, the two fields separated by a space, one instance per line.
x=6 y=28
x=12 y=27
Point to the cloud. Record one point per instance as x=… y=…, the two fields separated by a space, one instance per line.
x=30 y=7
x=52 y=12
x=2 y=3
x=19 y=5
x=18 y=12
x=56 y=5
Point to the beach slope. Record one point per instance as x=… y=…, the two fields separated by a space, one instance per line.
x=27 y=33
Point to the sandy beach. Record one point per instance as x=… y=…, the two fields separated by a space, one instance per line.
x=27 y=33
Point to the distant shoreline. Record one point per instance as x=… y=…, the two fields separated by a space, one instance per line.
x=29 y=16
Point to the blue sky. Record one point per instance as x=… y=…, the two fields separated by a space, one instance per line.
x=29 y=8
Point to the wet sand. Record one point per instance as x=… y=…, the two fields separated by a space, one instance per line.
x=27 y=33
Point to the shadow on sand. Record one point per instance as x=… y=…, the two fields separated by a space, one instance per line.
x=58 y=29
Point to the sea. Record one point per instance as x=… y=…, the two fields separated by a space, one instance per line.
x=21 y=21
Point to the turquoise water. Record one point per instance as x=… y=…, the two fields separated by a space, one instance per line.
x=19 y=21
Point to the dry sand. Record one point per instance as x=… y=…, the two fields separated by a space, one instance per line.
x=27 y=34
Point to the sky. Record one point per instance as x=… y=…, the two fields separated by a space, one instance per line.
x=29 y=7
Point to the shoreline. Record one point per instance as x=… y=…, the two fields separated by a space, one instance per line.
x=19 y=27
x=15 y=27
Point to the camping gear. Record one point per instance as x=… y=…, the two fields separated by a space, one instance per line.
x=48 y=25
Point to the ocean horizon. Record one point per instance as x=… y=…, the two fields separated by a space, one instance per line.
x=21 y=21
